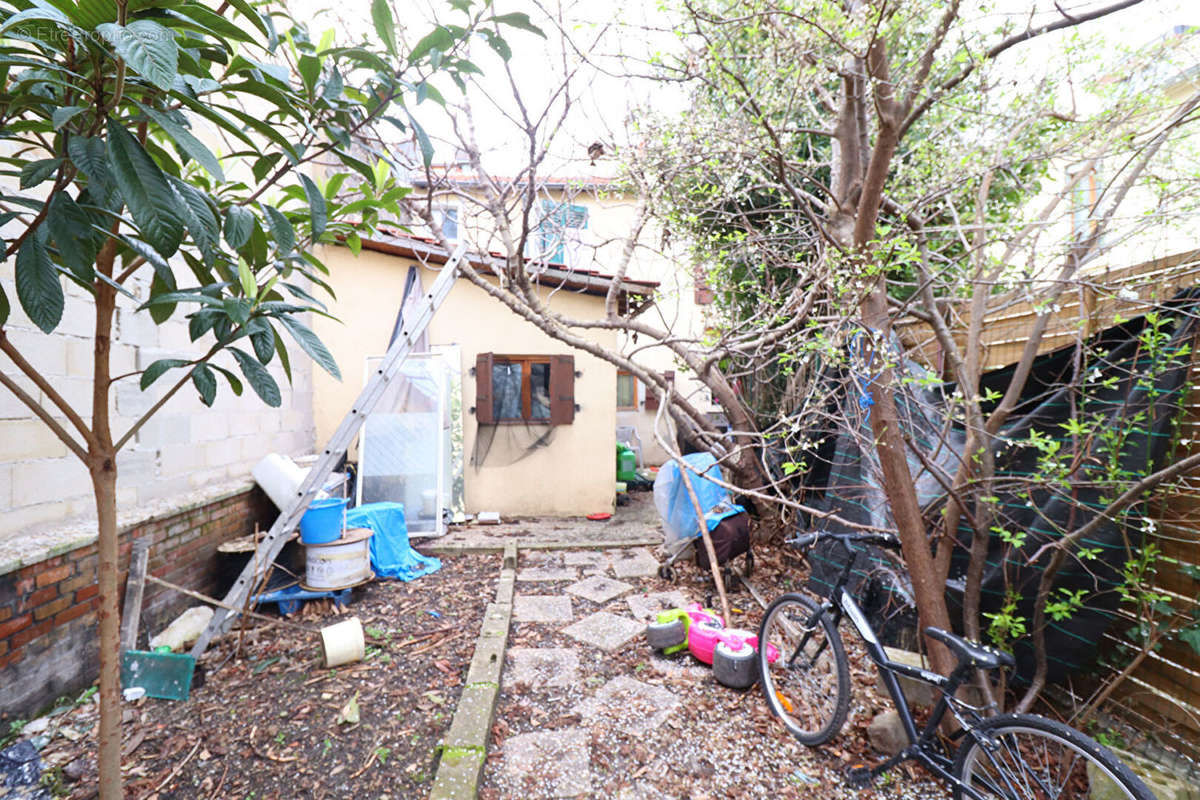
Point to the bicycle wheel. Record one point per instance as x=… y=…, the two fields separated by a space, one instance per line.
x=1025 y=757
x=808 y=684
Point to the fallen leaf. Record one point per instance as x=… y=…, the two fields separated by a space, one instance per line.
x=349 y=714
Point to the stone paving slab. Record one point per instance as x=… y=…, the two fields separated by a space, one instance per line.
x=540 y=574
x=542 y=608
x=599 y=589
x=543 y=667
x=558 y=761
x=632 y=705
x=646 y=606
x=634 y=563
x=589 y=559
x=604 y=630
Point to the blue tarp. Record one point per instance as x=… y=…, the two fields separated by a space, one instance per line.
x=391 y=554
x=675 y=506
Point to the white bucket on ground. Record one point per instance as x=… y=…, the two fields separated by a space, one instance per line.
x=343 y=642
x=339 y=564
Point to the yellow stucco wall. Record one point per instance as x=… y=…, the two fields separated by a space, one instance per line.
x=573 y=475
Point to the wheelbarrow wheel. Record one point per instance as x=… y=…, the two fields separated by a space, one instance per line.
x=667 y=572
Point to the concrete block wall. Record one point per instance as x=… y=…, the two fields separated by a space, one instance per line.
x=186 y=446
x=48 y=625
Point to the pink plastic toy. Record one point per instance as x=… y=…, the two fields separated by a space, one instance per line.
x=704 y=637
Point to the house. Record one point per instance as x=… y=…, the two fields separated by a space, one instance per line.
x=538 y=418
x=583 y=222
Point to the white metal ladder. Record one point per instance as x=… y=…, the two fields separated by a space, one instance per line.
x=273 y=542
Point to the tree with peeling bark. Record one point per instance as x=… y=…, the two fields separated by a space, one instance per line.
x=160 y=157
x=845 y=167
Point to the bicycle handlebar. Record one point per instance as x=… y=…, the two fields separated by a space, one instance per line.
x=806 y=540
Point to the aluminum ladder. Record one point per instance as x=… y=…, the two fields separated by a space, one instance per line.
x=273 y=542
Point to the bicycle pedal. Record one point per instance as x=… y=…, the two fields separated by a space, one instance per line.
x=859 y=776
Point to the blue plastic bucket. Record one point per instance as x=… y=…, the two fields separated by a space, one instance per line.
x=322 y=523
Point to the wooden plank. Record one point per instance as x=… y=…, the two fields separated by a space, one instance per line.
x=135 y=588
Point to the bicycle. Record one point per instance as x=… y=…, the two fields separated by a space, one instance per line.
x=1009 y=756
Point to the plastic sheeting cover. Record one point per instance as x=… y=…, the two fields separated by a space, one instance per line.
x=675 y=506
x=391 y=554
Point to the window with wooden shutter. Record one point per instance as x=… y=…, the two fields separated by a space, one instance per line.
x=524 y=389
x=654 y=395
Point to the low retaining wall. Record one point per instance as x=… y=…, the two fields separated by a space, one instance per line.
x=48 y=625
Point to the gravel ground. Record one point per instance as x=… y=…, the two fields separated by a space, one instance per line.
x=716 y=743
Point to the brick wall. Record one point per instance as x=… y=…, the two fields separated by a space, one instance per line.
x=48 y=626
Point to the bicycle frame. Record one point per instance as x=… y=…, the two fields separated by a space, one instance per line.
x=920 y=742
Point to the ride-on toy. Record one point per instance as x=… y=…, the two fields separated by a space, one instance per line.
x=730 y=652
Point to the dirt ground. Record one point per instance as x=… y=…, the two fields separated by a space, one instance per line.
x=270 y=722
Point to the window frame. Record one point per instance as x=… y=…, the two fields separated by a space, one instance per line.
x=633 y=379
x=526 y=362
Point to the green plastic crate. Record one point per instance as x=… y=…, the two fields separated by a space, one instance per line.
x=164 y=675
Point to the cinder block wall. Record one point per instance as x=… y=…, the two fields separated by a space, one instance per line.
x=48 y=624
x=184 y=447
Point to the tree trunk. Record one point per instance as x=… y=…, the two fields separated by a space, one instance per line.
x=104 y=485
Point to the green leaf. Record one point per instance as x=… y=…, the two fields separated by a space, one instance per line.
x=38 y=287
x=438 y=39
x=309 y=68
x=239 y=225
x=385 y=26
x=312 y=344
x=284 y=360
x=281 y=230
x=316 y=204
x=246 y=277
x=263 y=338
x=247 y=11
x=161 y=312
x=35 y=172
x=206 y=383
x=188 y=143
x=146 y=191
x=334 y=85
x=147 y=47
x=519 y=19
x=90 y=157
x=71 y=230
x=156 y=370
x=62 y=116
x=5 y=308
x=199 y=218
x=234 y=383
x=39 y=13
x=259 y=379
x=422 y=140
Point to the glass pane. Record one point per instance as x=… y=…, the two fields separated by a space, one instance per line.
x=625 y=391
x=539 y=391
x=506 y=391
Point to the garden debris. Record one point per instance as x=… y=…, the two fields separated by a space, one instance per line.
x=184 y=630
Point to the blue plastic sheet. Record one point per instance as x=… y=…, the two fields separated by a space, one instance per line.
x=391 y=554
x=675 y=506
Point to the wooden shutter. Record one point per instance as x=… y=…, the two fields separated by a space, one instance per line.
x=651 y=397
x=562 y=390
x=484 y=411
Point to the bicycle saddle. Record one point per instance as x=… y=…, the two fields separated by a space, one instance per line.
x=973 y=653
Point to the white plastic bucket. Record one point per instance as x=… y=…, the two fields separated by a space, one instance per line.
x=280 y=478
x=339 y=564
x=343 y=642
